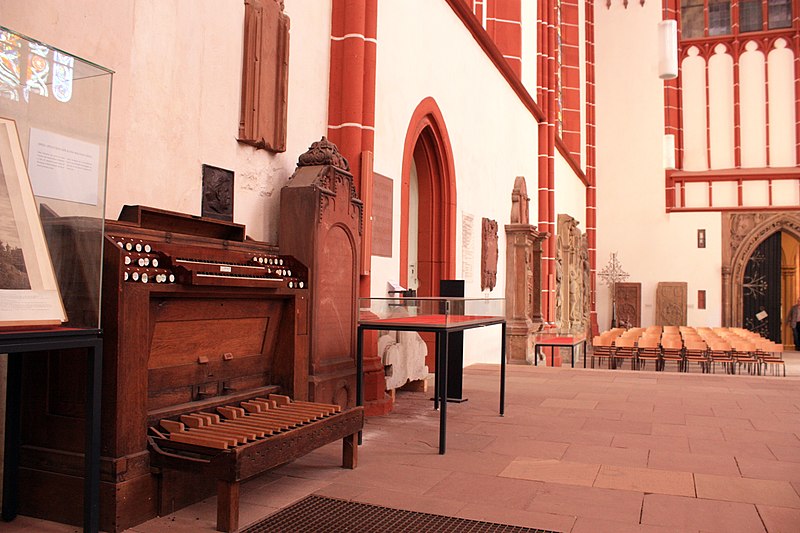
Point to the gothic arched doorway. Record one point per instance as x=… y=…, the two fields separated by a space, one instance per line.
x=757 y=247
x=428 y=205
x=428 y=163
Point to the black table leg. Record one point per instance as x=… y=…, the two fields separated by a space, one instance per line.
x=442 y=356
x=503 y=370
x=360 y=372
x=437 y=383
x=12 y=438
x=91 y=489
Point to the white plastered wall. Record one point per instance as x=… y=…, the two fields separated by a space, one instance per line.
x=493 y=136
x=652 y=245
x=176 y=95
x=570 y=193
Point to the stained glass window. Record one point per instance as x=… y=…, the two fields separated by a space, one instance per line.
x=750 y=15
x=692 y=19
x=719 y=17
x=33 y=69
x=780 y=14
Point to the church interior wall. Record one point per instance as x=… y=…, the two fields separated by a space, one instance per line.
x=570 y=193
x=176 y=96
x=493 y=136
x=651 y=245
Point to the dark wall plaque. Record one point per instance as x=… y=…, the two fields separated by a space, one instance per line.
x=217 y=193
x=382 y=200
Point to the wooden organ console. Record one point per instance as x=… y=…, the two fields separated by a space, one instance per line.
x=199 y=322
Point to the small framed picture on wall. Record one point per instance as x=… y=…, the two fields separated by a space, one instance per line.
x=701 y=238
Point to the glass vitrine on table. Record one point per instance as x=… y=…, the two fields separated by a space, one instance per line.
x=441 y=316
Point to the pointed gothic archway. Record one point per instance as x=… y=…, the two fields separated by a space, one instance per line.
x=742 y=234
x=427 y=153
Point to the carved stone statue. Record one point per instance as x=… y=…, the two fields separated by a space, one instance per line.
x=519 y=202
x=489 y=254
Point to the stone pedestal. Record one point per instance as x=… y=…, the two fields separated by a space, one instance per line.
x=523 y=279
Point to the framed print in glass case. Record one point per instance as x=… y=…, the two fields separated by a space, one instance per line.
x=29 y=294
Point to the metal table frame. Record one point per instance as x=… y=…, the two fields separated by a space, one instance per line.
x=442 y=332
x=16 y=344
x=553 y=344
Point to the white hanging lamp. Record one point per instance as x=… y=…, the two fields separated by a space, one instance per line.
x=668 y=49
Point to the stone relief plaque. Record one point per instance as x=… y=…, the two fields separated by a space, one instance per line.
x=629 y=304
x=489 y=254
x=217 y=193
x=671 y=298
x=382 y=201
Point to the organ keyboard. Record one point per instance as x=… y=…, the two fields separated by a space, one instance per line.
x=235 y=442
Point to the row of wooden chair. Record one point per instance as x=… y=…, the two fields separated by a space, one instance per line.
x=735 y=349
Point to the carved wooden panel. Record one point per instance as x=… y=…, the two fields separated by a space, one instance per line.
x=265 y=75
x=217 y=193
x=320 y=222
x=671 y=298
x=629 y=304
x=489 y=254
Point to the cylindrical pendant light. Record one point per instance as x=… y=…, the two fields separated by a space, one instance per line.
x=668 y=49
x=669 y=151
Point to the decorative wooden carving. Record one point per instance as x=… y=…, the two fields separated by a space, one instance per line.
x=217 y=193
x=265 y=75
x=489 y=254
x=741 y=235
x=320 y=222
x=671 y=298
x=523 y=279
x=629 y=304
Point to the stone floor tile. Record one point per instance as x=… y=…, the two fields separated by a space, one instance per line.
x=527 y=447
x=503 y=492
x=767 y=437
x=398 y=499
x=737 y=449
x=785 y=453
x=552 y=470
x=780 y=519
x=619 y=426
x=737 y=489
x=523 y=518
x=695 y=514
x=607 y=455
x=718 y=422
x=588 y=502
x=719 y=464
x=757 y=468
x=700 y=432
x=569 y=403
x=652 y=442
x=598 y=525
x=645 y=480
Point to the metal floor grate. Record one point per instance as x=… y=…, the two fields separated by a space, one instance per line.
x=318 y=514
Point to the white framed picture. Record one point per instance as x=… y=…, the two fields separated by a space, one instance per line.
x=29 y=294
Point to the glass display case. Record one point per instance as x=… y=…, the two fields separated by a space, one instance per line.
x=443 y=316
x=434 y=312
x=54 y=113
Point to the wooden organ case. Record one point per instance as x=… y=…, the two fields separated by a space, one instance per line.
x=195 y=317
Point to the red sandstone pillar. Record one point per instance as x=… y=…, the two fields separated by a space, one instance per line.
x=351 y=126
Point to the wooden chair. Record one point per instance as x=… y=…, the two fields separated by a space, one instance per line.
x=648 y=350
x=770 y=355
x=603 y=348
x=624 y=348
x=744 y=353
x=719 y=351
x=696 y=351
x=672 y=351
